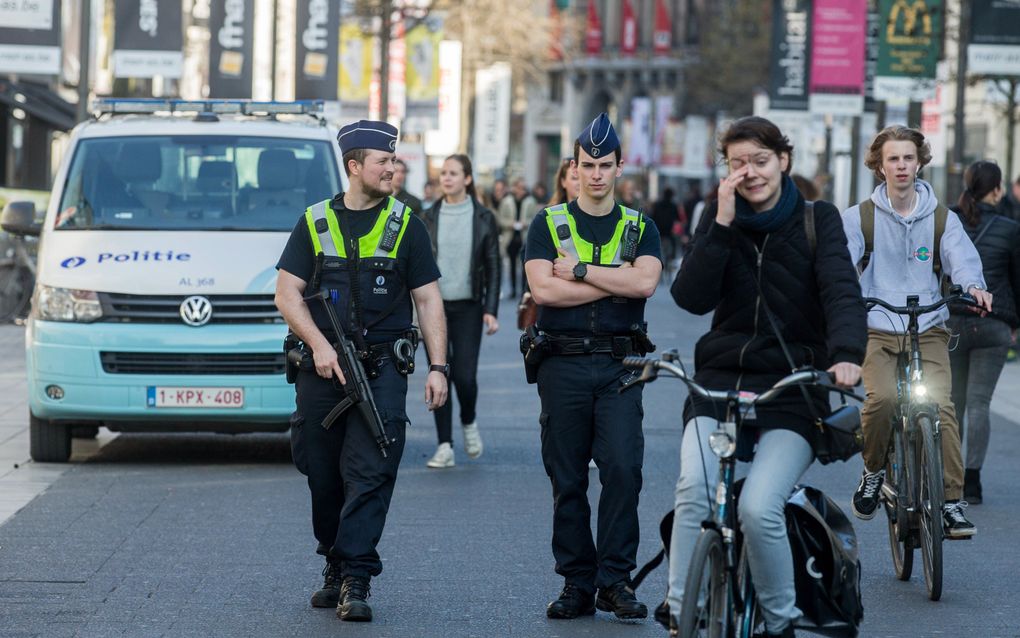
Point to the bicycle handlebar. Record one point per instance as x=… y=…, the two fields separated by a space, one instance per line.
x=916 y=310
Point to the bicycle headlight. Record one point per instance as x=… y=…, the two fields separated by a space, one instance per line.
x=62 y=304
x=722 y=444
x=920 y=391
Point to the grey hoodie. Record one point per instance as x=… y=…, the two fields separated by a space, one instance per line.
x=901 y=262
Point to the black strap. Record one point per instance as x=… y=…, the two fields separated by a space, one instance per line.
x=354 y=265
x=991 y=222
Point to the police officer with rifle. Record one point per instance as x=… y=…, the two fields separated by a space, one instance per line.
x=591 y=264
x=346 y=281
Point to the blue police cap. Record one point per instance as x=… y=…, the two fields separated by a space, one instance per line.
x=369 y=134
x=599 y=138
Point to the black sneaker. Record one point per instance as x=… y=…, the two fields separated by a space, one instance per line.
x=354 y=593
x=955 y=523
x=661 y=614
x=329 y=595
x=972 y=486
x=619 y=599
x=866 y=498
x=573 y=602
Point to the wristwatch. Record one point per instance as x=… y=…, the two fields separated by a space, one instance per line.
x=445 y=369
x=580 y=271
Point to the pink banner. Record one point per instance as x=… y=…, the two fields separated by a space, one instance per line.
x=839 y=30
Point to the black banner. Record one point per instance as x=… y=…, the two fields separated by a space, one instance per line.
x=318 y=49
x=231 y=31
x=995 y=22
x=147 y=38
x=30 y=38
x=791 y=55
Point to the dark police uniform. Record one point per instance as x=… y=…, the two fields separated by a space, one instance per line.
x=584 y=416
x=350 y=481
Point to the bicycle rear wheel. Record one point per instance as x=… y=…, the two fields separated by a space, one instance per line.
x=899 y=524
x=930 y=500
x=705 y=608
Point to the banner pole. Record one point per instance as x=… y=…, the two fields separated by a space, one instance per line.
x=83 y=59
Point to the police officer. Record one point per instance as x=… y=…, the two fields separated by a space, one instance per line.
x=345 y=248
x=592 y=264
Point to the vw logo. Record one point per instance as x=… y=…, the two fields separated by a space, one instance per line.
x=196 y=311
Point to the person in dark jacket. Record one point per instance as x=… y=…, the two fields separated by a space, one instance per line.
x=755 y=232
x=980 y=353
x=465 y=238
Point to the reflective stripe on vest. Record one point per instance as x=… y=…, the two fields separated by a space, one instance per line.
x=565 y=236
x=330 y=241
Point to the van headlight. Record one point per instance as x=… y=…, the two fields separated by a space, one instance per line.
x=62 y=304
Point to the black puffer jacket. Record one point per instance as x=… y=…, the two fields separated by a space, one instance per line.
x=485 y=275
x=815 y=299
x=999 y=247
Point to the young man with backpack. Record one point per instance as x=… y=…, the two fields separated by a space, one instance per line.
x=904 y=241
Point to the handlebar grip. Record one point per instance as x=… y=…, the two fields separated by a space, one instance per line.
x=635 y=362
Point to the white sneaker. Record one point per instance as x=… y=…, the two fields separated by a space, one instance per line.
x=472 y=441
x=443 y=457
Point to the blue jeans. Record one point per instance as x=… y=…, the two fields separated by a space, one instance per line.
x=782 y=457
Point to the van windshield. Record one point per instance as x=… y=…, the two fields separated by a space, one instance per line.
x=195 y=183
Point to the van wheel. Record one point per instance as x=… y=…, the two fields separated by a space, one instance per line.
x=48 y=442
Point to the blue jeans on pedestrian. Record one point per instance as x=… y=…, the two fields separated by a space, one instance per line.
x=977 y=362
x=782 y=457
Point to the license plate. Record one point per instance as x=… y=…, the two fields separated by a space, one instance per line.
x=183 y=397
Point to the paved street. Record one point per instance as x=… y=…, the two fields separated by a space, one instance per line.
x=207 y=535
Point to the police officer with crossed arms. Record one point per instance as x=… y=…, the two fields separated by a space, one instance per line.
x=370 y=256
x=591 y=264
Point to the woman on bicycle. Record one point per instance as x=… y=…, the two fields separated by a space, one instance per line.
x=465 y=239
x=977 y=360
x=751 y=256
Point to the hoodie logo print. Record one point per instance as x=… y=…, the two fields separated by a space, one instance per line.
x=922 y=254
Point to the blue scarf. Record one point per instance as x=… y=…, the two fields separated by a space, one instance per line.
x=768 y=220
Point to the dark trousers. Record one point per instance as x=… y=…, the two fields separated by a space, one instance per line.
x=350 y=481
x=513 y=252
x=977 y=362
x=464 y=339
x=585 y=417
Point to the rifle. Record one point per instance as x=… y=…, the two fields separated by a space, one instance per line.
x=357 y=392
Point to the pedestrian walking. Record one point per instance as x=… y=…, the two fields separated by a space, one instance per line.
x=567 y=185
x=980 y=353
x=665 y=214
x=515 y=213
x=591 y=264
x=399 y=177
x=465 y=240
x=339 y=248
x=758 y=225
x=1009 y=205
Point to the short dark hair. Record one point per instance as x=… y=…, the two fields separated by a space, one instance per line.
x=358 y=155
x=402 y=164
x=760 y=131
x=577 y=153
x=873 y=159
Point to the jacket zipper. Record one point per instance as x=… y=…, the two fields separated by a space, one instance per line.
x=593 y=314
x=757 y=308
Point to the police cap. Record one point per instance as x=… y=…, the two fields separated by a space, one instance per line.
x=599 y=138
x=369 y=134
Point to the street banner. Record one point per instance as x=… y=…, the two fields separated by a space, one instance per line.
x=639 y=150
x=910 y=35
x=672 y=156
x=662 y=35
x=30 y=37
x=492 y=116
x=317 y=52
x=446 y=139
x=791 y=55
x=231 y=40
x=871 y=44
x=838 y=34
x=397 y=98
x=628 y=30
x=593 y=31
x=148 y=39
x=357 y=63
x=422 y=75
x=555 y=31
x=994 y=47
x=663 y=111
x=697 y=146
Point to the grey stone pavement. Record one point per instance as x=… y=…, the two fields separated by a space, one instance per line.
x=210 y=535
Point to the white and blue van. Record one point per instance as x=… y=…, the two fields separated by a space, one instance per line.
x=153 y=308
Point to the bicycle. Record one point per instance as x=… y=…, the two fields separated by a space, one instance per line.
x=913 y=494
x=17 y=277
x=719 y=596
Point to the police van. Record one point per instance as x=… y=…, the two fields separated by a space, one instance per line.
x=153 y=308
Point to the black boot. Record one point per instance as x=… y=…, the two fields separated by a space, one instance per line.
x=661 y=614
x=619 y=598
x=353 y=606
x=972 y=486
x=573 y=602
x=329 y=595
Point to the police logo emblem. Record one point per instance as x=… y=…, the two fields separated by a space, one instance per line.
x=393 y=145
x=380 y=280
x=595 y=151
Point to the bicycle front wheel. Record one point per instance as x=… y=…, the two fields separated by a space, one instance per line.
x=900 y=543
x=705 y=609
x=931 y=498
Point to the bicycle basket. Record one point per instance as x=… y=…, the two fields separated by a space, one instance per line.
x=827 y=572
